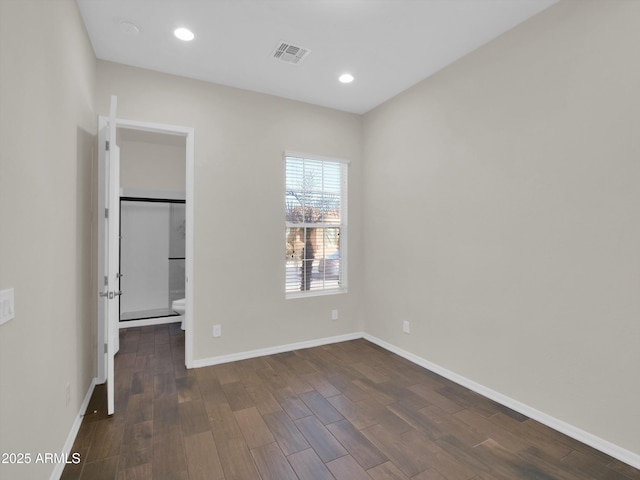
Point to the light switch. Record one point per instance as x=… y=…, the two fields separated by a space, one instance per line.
x=7 y=307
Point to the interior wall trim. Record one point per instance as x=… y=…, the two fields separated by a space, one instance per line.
x=587 y=438
x=73 y=433
x=234 y=357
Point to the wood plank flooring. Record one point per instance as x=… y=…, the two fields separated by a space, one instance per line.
x=346 y=411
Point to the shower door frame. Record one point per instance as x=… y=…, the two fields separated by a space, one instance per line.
x=147 y=196
x=188 y=133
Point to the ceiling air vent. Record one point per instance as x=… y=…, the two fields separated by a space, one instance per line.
x=290 y=53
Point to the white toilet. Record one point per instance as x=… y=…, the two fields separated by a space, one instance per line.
x=179 y=306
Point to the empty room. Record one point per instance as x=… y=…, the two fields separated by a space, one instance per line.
x=319 y=239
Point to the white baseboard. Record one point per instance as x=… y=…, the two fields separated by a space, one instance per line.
x=68 y=445
x=234 y=357
x=587 y=438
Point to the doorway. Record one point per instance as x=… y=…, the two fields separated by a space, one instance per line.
x=175 y=135
x=152 y=227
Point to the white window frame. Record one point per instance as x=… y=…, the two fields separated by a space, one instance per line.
x=343 y=225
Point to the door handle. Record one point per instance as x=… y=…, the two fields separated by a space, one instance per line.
x=103 y=294
x=118 y=293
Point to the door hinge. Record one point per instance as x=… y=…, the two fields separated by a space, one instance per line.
x=106 y=213
x=106 y=146
x=106 y=280
x=106 y=349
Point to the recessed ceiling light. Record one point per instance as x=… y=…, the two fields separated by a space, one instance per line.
x=346 y=78
x=184 y=34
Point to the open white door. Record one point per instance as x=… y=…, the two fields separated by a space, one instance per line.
x=110 y=251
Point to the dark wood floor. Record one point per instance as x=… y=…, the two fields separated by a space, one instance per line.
x=346 y=411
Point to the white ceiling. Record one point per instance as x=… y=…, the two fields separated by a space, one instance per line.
x=388 y=45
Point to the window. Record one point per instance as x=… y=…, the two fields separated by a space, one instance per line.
x=316 y=225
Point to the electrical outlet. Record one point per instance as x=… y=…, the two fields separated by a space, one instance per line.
x=406 y=327
x=334 y=314
x=217 y=331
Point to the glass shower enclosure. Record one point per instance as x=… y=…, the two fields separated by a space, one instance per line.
x=152 y=257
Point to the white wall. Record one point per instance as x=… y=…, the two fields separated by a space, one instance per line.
x=501 y=217
x=239 y=246
x=151 y=161
x=47 y=138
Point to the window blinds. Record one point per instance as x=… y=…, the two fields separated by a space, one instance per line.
x=315 y=215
